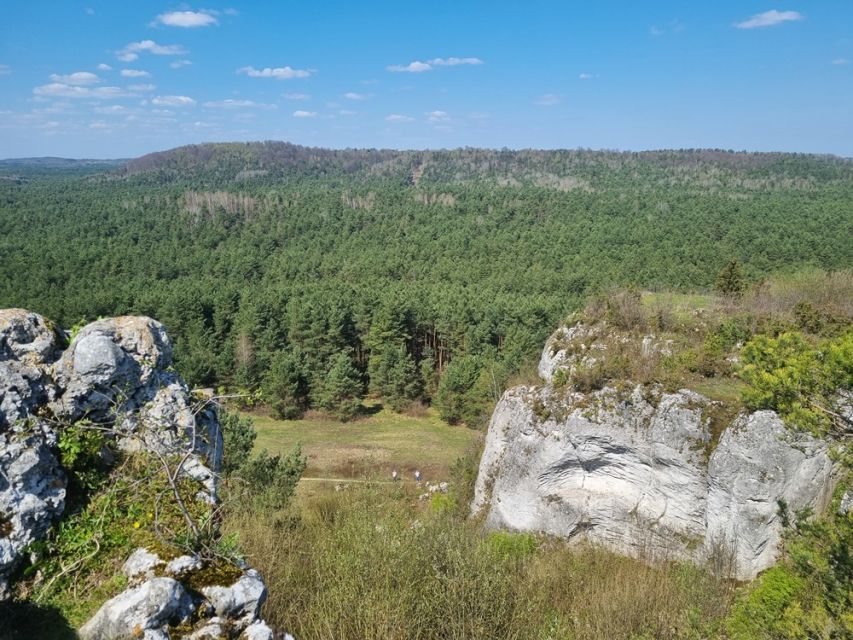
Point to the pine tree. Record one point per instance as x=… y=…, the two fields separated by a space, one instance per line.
x=730 y=281
x=341 y=392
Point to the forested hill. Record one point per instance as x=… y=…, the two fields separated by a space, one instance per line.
x=560 y=169
x=277 y=264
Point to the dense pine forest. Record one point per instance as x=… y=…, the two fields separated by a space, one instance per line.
x=317 y=276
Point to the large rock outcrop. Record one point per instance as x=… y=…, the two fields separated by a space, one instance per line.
x=633 y=469
x=116 y=373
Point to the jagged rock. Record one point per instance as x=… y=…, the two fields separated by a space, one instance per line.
x=150 y=606
x=32 y=496
x=28 y=346
x=630 y=470
x=241 y=601
x=759 y=466
x=111 y=368
x=116 y=371
x=183 y=565
x=259 y=631
x=219 y=611
x=141 y=564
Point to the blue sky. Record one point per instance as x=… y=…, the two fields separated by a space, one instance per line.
x=118 y=79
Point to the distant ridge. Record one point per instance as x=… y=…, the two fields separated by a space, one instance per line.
x=562 y=169
x=51 y=161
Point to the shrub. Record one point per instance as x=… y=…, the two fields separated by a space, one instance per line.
x=238 y=436
x=789 y=375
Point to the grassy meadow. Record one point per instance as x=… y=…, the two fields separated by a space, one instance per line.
x=370 y=447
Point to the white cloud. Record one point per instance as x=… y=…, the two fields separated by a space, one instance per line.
x=100 y=124
x=419 y=67
x=141 y=88
x=104 y=67
x=62 y=90
x=280 y=73
x=89 y=11
x=134 y=73
x=841 y=61
x=295 y=96
x=352 y=95
x=547 y=100
x=586 y=76
x=437 y=116
x=113 y=109
x=396 y=117
x=347 y=112
x=177 y=64
x=131 y=51
x=769 y=19
x=186 y=19
x=173 y=101
x=237 y=104
x=5 y=70
x=304 y=114
x=76 y=78
x=412 y=67
x=452 y=62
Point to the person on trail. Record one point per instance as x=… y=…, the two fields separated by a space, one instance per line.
x=394 y=475
x=417 y=475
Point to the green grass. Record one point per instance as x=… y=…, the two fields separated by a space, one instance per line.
x=369 y=447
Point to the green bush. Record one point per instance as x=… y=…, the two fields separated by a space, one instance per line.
x=238 y=435
x=799 y=380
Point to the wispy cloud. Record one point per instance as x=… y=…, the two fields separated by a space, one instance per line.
x=62 y=90
x=673 y=26
x=295 y=96
x=304 y=114
x=77 y=78
x=419 y=67
x=186 y=19
x=352 y=95
x=173 y=101
x=111 y=110
x=280 y=73
x=177 y=64
x=132 y=50
x=769 y=19
x=5 y=70
x=141 y=88
x=547 y=100
x=396 y=117
x=237 y=104
x=134 y=73
x=841 y=61
x=104 y=67
x=586 y=76
x=437 y=116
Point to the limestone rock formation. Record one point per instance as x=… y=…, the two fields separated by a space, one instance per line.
x=151 y=606
x=630 y=469
x=32 y=486
x=115 y=373
x=164 y=606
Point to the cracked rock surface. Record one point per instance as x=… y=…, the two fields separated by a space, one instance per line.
x=629 y=470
